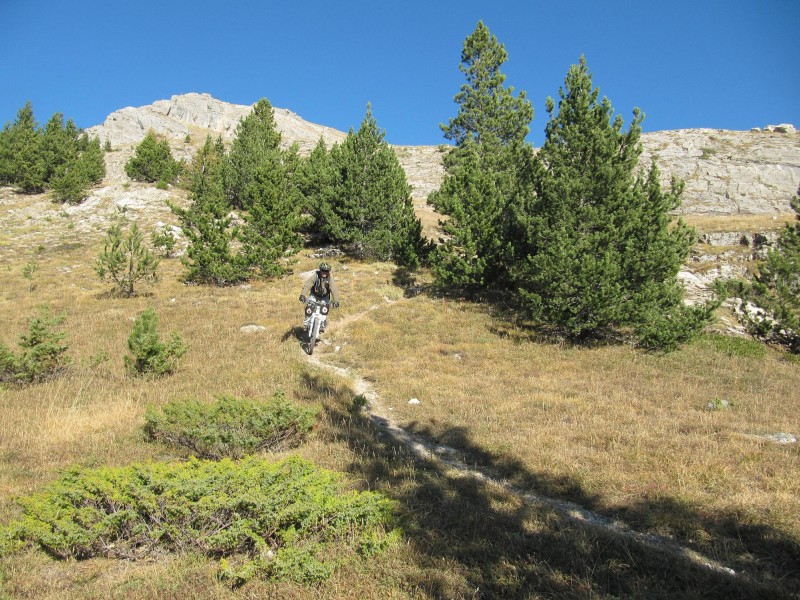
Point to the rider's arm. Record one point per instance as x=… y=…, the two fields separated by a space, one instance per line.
x=307 y=286
x=334 y=290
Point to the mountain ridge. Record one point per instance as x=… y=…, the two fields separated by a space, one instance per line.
x=725 y=172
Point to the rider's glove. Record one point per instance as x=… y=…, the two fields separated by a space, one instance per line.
x=335 y=305
x=302 y=298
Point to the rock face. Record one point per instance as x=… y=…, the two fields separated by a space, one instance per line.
x=726 y=172
x=192 y=114
x=729 y=172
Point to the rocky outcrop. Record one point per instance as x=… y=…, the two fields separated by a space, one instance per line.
x=193 y=114
x=729 y=172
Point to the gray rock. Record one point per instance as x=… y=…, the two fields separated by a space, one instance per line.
x=252 y=328
x=201 y=114
x=781 y=438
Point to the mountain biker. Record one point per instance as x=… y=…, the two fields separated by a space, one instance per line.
x=321 y=286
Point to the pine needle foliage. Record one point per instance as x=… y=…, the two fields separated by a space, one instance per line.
x=151 y=356
x=775 y=290
x=273 y=222
x=207 y=222
x=41 y=355
x=485 y=171
x=58 y=157
x=153 y=161
x=602 y=255
x=255 y=146
x=230 y=427
x=368 y=207
x=73 y=178
x=125 y=260
x=261 y=519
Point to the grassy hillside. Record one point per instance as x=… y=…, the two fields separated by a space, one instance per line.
x=645 y=439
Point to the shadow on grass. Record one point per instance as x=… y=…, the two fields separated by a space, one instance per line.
x=474 y=540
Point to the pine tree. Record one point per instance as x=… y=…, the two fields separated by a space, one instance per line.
x=601 y=252
x=125 y=260
x=72 y=179
x=151 y=356
x=41 y=353
x=153 y=161
x=369 y=208
x=207 y=222
x=272 y=224
x=6 y=156
x=489 y=114
x=775 y=289
x=257 y=139
x=55 y=146
x=316 y=180
x=484 y=171
x=27 y=169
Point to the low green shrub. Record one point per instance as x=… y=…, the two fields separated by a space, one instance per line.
x=230 y=426
x=282 y=520
x=41 y=354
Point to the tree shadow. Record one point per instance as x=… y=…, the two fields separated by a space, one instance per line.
x=473 y=539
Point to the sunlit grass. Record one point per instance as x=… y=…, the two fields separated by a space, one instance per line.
x=626 y=433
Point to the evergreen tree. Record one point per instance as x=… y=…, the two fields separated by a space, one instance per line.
x=316 y=180
x=126 y=260
x=370 y=207
x=489 y=114
x=27 y=169
x=73 y=178
x=41 y=353
x=55 y=146
x=601 y=252
x=274 y=219
x=485 y=171
x=92 y=160
x=207 y=223
x=257 y=140
x=151 y=356
x=153 y=161
x=775 y=290
x=6 y=156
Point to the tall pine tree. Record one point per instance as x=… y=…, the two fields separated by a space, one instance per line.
x=485 y=170
x=602 y=254
x=316 y=180
x=273 y=222
x=27 y=169
x=257 y=139
x=369 y=207
x=207 y=222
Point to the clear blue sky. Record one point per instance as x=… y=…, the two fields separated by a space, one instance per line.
x=726 y=64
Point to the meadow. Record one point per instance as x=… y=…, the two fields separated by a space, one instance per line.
x=674 y=445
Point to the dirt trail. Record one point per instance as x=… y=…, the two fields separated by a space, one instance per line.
x=449 y=457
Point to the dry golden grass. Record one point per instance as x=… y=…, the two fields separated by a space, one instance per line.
x=624 y=430
x=760 y=223
x=620 y=431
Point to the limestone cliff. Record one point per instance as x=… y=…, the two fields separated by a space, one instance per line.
x=726 y=172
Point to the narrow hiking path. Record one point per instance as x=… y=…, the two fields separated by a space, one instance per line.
x=450 y=458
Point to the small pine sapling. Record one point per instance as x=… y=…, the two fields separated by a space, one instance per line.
x=151 y=356
x=126 y=260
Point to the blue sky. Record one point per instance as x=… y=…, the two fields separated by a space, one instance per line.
x=724 y=64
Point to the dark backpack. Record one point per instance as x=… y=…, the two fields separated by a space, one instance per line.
x=321 y=288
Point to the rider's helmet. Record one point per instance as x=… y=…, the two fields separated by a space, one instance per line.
x=325 y=268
